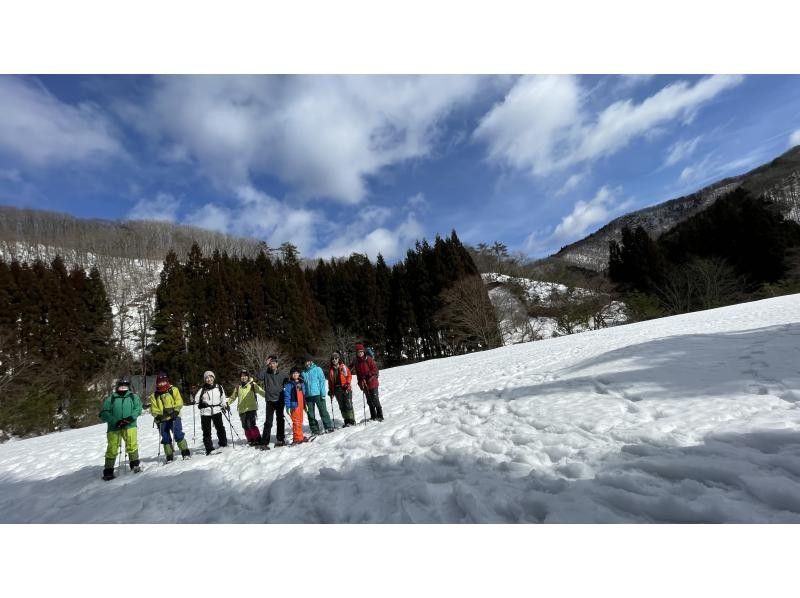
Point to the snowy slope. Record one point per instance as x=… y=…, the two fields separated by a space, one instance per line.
x=692 y=418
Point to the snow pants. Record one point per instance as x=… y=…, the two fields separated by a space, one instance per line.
x=274 y=409
x=374 y=404
x=131 y=439
x=170 y=428
x=219 y=426
x=345 y=400
x=318 y=402
x=297 y=420
x=251 y=431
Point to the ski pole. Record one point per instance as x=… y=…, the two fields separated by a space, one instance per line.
x=333 y=414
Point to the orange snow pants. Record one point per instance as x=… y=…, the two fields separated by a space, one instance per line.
x=297 y=418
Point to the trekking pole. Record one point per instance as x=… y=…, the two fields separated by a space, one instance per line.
x=119 y=454
x=364 y=397
x=194 y=426
x=333 y=414
x=230 y=425
x=158 y=456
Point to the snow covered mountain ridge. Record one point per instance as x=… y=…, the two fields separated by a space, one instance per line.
x=778 y=181
x=692 y=418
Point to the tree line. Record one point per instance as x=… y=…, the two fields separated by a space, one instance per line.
x=216 y=310
x=739 y=248
x=55 y=346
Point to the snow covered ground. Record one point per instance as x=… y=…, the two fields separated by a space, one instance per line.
x=692 y=418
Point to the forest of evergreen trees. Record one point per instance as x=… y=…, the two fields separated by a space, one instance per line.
x=739 y=248
x=209 y=307
x=55 y=345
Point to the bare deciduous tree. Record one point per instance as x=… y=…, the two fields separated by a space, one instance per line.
x=468 y=315
x=254 y=353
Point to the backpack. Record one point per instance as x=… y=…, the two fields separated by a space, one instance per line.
x=371 y=352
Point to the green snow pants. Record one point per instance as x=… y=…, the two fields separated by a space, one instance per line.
x=323 y=412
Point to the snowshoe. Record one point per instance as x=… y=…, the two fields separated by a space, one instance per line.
x=186 y=454
x=279 y=443
x=137 y=469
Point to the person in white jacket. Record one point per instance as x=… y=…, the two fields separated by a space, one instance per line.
x=212 y=402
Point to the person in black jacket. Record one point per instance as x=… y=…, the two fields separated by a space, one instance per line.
x=273 y=387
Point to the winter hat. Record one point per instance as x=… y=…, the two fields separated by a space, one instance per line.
x=208 y=373
x=244 y=373
x=273 y=358
x=123 y=382
x=307 y=357
x=162 y=382
x=359 y=347
x=293 y=370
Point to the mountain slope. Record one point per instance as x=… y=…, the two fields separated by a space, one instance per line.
x=779 y=181
x=689 y=418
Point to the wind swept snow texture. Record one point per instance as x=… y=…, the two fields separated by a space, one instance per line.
x=692 y=418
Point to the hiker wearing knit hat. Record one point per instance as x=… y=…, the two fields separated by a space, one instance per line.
x=212 y=402
x=366 y=371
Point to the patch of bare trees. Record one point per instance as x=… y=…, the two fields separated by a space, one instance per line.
x=468 y=315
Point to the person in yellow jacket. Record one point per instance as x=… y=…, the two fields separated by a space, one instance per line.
x=165 y=407
x=245 y=393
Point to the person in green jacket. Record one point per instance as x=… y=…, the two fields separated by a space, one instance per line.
x=120 y=411
x=245 y=393
x=165 y=407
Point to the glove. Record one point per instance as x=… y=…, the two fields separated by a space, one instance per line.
x=203 y=405
x=346 y=387
x=159 y=418
x=123 y=423
x=169 y=412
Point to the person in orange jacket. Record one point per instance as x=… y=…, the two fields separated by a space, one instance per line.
x=295 y=403
x=339 y=379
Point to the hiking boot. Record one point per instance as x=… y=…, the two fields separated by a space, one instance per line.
x=170 y=458
x=186 y=453
x=108 y=474
x=280 y=443
x=137 y=469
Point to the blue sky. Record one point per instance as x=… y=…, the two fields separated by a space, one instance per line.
x=372 y=163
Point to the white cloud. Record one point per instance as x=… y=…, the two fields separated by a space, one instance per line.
x=162 y=207
x=572 y=183
x=322 y=136
x=532 y=124
x=418 y=202
x=794 y=138
x=584 y=218
x=256 y=214
x=681 y=150
x=543 y=125
x=39 y=129
x=360 y=236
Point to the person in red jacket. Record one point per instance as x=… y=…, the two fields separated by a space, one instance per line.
x=339 y=379
x=367 y=373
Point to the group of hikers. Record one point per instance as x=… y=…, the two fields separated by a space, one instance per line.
x=302 y=390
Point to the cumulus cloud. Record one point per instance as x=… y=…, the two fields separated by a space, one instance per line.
x=322 y=136
x=681 y=150
x=543 y=124
x=253 y=213
x=794 y=138
x=163 y=206
x=40 y=130
x=363 y=236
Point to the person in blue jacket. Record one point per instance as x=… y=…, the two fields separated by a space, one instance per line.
x=315 y=388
